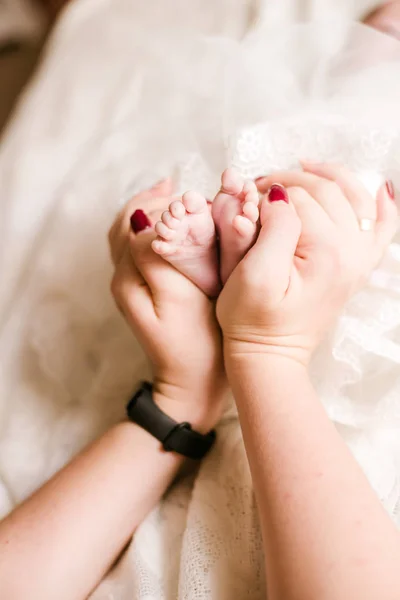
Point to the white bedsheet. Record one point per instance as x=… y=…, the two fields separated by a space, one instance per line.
x=60 y=382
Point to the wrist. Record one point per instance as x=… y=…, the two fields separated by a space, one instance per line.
x=275 y=363
x=238 y=351
x=201 y=410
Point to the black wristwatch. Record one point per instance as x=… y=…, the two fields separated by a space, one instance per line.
x=175 y=437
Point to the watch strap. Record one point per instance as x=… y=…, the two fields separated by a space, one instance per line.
x=175 y=437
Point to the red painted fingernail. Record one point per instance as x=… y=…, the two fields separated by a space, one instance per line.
x=390 y=189
x=278 y=193
x=139 y=221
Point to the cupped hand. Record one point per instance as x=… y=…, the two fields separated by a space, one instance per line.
x=310 y=257
x=173 y=320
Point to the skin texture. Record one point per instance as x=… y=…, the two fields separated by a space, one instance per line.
x=325 y=532
x=205 y=244
x=309 y=258
x=73 y=523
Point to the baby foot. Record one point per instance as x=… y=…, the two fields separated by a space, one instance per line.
x=235 y=213
x=187 y=240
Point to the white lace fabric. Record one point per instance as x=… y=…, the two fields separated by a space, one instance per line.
x=68 y=361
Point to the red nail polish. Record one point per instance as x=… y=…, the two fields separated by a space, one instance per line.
x=139 y=221
x=390 y=189
x=278 y=193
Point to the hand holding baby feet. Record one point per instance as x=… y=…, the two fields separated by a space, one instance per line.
x=235 y=213
x=367 y=221
x=187 y=240
x=175 y=324
x=312 y=254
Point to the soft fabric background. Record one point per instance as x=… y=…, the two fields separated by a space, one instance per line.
x=83 y=138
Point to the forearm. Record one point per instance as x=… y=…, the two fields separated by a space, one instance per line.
x=62 y=540
x=326 y=535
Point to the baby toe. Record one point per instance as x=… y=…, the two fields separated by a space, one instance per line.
x=250 y=210
x=232 y=182
x=194 y=202
x=177 y=209
x=161 y=247
x=169 y=220
x=252 y=197
x=164 y=232
x=243 y=226
x=250 y=190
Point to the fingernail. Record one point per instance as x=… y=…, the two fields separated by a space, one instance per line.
x=278 y=193
x=139 y=221
x=390 y=189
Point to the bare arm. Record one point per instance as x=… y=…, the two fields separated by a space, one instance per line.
x=326 y=535
x=62 y=540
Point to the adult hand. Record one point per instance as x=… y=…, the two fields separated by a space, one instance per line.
x=174 y=321
x=310 y=257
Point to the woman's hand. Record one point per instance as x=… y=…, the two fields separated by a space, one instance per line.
x=173 y=320
x=82 y=529
x=310 y=257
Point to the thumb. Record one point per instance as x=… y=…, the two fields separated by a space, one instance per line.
x=271 y=258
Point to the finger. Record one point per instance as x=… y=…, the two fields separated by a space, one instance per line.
x=155 y=198
x=117 y=236
x=162 y=189
x=131 y=293
x=159 y=275
x=361 y=200
x=139 y=202
x=154 y=203
x=138 y=221
x=272 y=257
x=327 y=194
x=314 y=220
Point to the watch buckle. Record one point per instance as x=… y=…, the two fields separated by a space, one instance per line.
x=177 y=428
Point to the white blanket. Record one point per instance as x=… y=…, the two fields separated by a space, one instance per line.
x=66 y=164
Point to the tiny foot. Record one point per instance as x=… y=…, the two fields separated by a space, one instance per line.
x=187 y=240
x=235 y=212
